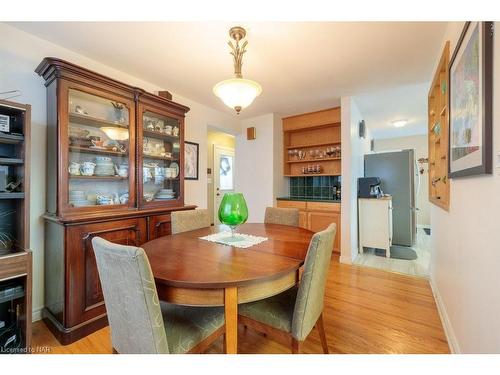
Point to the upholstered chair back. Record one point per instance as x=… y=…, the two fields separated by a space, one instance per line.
x=309 y=302
x=131 y=299
x=283 y=216
x=184 y=221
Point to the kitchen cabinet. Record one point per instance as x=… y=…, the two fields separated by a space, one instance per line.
x=375 y=223
x=316 y=216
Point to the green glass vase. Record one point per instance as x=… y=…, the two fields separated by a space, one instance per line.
x=233 y=211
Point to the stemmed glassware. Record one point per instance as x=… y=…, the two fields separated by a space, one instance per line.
x=233 y=212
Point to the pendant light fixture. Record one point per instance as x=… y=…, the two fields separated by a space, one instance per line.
x=237 y=92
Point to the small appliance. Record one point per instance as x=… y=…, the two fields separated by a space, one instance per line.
x=369 y=187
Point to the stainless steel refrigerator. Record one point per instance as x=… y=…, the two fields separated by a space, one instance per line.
x=396 y=171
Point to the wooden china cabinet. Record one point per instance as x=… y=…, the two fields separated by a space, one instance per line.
x=114 y=170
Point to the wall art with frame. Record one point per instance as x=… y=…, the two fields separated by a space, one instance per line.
x=470 y=101
x=191 y=160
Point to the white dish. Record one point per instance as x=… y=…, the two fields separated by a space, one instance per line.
x=175 y=167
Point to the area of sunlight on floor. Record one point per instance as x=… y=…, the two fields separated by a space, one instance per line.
x=418 y=267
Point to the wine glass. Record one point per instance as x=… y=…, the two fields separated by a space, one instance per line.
x=233 y=212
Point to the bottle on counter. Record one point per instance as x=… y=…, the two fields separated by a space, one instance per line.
x=339 y=195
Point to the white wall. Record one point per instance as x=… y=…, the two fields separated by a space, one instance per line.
x=420 y=145
x=259 y=165
x=465 y=260
x=20 y=53
x=353 y=150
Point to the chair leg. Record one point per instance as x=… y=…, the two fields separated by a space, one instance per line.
x=296 y=346
x=322 y=335
x=114 y=351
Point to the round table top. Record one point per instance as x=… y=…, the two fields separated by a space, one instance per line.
x=185 y=260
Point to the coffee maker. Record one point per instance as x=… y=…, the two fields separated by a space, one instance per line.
x=369 y=187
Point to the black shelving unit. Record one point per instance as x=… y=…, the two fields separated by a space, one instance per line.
x=15 y=258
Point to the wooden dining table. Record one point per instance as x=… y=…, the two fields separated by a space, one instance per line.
x=195 y=272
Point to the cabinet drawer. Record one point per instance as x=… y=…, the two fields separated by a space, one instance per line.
x=323 y=206
x=292 y=204
x=159 y=226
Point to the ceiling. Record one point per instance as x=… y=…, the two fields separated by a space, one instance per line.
x=407 y=102
x=302 y=66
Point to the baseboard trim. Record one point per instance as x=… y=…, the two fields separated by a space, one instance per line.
x=36 y=315
x=345 y=259
x=445 y=320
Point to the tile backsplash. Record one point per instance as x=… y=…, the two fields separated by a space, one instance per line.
x=320 y=187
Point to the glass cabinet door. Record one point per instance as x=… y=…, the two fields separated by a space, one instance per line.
x=98 y=156
x=160 y=158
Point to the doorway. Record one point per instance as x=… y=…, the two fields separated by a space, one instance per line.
x=223 y=175
x=221 y=164
x=407 y=183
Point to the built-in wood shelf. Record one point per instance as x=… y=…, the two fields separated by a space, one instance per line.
x=314 y=145
x=310 y=174
x=312 y=161
x=310 y=132
x=439 y=189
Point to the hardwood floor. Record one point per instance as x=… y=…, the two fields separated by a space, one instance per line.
x=366 y=311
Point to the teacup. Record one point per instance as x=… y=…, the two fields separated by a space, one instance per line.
x=88 y=168
x=104 y=199
x=146 y=174
x=168 y=130
x=74 y=168
x=123 y=170
x=124 y=198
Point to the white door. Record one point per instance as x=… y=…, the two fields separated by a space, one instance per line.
x=223 y=176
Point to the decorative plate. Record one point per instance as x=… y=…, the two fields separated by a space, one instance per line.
x=175 y=166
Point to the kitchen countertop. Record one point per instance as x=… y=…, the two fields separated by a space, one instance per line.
x=308 y=199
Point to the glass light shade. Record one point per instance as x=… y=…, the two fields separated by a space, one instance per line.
x=233 y=210
x=237 y=92
x=116 y=134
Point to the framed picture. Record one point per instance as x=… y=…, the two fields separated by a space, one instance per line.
x=191 y=155
x=470 y=101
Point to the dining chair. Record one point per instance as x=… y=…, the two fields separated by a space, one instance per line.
x=283 y=216
x=139 y=322
x=185 y=221
x=290 y=316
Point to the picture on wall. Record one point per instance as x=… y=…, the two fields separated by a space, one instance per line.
x=191 y=155
x=470 y=100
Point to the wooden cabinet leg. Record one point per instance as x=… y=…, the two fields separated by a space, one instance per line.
x=231 y=316
x=296 y=346
x=322 y=335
